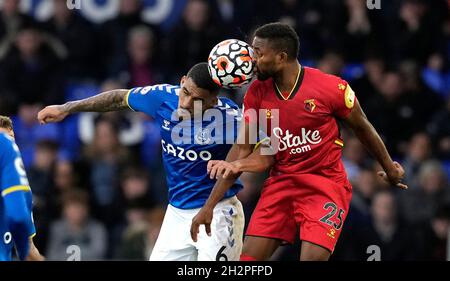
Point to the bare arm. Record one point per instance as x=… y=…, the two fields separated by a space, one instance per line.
x=107 y=101
x=369 y=137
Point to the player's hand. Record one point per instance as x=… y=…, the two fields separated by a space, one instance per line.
x=34 y=254
x=204 y=216
x=220 y=168
x=52 y=113
x=394 y=176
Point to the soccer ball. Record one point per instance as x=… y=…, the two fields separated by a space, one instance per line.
x=231 y=63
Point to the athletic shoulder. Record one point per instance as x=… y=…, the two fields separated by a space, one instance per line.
x=6 y=146
x=158 y=88
x=327 y=79
x=338 y=94
x=5 y=140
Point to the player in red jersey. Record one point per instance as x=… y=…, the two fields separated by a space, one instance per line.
x=308 y=186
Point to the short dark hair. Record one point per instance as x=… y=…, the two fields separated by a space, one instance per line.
x=5 y=122
x=282 y=37
x=199 y=73
x=75 y=196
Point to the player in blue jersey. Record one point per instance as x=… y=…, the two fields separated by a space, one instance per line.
x=196 y=126
x=16 y=218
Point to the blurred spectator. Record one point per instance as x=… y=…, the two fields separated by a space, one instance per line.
x=69 y=27
x=354 y=157
x=365 y=186
x=133 y=202
x=397 y=109
x=114 y=33
x=385 y=231
x=76 y=227
x=135 y=192
x=363 y=28
x=234 y=16
x=139 y=68
x=419 y=204
x=140 y=236
x=28 y=132
x=191 y=40
x=416 y=27
x=40 y=173
x=434 y=236
x=436 y=75
x=331 y=63
x=419 y=150
x=439 y=129
x=367 y=85
x=29 y=71
x=11 y=20
x=105 y=157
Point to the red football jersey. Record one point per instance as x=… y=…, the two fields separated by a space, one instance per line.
x=308 y=134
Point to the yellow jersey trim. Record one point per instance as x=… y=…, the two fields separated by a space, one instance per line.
x=349 y=97
x=258 y=144
x=340 y=143
x=126 y=99
x=293 y=88
x=14 y=189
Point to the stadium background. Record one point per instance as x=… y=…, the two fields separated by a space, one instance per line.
x=97 y=179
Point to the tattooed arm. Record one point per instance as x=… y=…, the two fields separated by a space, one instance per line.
x=107 y=101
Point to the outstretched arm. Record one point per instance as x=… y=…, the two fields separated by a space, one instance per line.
x=366 y=133
x=107 y=101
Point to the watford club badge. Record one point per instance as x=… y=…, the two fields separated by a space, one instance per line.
x=310 y=105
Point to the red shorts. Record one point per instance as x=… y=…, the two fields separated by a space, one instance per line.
x=316 y=204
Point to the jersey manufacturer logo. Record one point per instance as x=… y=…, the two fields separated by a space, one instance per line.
x=331 y=233
x=165 y=125
x=310 y=105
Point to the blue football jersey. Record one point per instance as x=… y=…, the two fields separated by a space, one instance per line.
x=12 y=179
x=188 y=145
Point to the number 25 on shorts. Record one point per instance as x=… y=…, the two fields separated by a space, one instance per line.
x=332 y=209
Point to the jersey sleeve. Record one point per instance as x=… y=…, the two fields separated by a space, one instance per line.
x=16 y=194
x=149 y=99
x=341 y=98
x=12 y=174
x=251 y=104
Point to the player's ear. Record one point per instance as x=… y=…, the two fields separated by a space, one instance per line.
x=282 y=57
x=183 y=79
